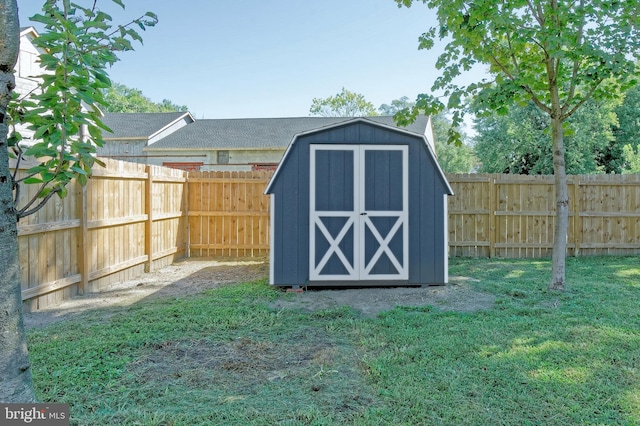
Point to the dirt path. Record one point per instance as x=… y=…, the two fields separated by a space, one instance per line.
x=193 y=276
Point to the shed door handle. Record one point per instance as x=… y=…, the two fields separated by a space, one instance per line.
x=363 y=214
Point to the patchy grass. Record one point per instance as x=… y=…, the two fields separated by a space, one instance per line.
x=225 y=357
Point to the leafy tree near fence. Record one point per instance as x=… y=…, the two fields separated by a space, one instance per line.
x=343 y=104
x=452 y=159
x=554 y=53
x=518 y=142
x=120 y=98
x=80 y=42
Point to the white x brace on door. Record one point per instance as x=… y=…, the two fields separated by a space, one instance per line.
x=358 y=212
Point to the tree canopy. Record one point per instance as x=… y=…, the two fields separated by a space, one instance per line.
x=120 y=98
x=396 y=106
x=343 y=104
x=518 y=141
x=552 y=53
x=452 y=158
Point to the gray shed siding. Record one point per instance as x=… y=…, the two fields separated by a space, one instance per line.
x=290 y=233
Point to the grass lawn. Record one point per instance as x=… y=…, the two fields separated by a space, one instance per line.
x=225 y=358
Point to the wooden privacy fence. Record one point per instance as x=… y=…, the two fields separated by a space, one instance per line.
x=131 y=217
x=514 y=215
x=228 y=213
x=128 y=218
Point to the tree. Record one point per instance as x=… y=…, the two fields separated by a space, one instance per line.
x=627 y=132
x=396 y=106
x=120 y=98
x=80 y=42
x=553 y=53
x=452 y=158
x=518 y=141
x=15 y=376
x=344 y=104
x=632 y=158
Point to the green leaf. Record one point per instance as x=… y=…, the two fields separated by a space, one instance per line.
x=33 y=180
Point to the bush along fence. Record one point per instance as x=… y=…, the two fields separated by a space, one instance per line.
x=131 y=218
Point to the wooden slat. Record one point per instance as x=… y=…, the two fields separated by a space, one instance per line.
x=118 y=221
x=226 y=247
x=610 y=214
x=111 y=269
x=41 y=228
x=50 y=286
x=227 y=213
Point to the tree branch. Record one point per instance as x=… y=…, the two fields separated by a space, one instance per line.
x=34 y=198
x=24 y=212
x=536 y=12
x=566 y=115
x=527 y=89
x=576 y=64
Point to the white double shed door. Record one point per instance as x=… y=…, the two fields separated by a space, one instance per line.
x=358 y=212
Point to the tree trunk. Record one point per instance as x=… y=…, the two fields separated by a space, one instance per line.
x=15 y=372
x=562 y=207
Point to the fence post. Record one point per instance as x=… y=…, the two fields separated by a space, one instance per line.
x=493 y=208
x=148 y=206
x=577 y=219
x=82 y=242
x=186 y=206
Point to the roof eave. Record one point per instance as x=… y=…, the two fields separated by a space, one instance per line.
x=171 y=123
x=213 y=148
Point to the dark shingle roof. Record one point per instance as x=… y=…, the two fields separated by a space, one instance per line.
x=260 y=133
x=138 y=124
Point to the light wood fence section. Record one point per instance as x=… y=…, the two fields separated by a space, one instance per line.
x=128 y=218
x=131 y=218
x=228 y=213
x=514 y=216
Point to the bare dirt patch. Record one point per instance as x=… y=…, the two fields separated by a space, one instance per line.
x=191 y=277
x=456 y=296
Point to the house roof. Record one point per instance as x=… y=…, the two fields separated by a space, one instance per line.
x=139 y=125
x=371 y=120
x=28 y=30
x=258 y=133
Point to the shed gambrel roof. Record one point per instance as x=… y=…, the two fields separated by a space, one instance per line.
x=258 y=133
x=140 y=125
x=371 y=120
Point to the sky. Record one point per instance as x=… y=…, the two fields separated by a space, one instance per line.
x=270 y=58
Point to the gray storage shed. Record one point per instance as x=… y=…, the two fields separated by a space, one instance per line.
x=358 y=203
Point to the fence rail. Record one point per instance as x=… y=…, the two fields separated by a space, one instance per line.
x=131 y=218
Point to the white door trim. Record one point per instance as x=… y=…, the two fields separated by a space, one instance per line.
x=359 y=220
x=402 y=221
x=315 y=220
